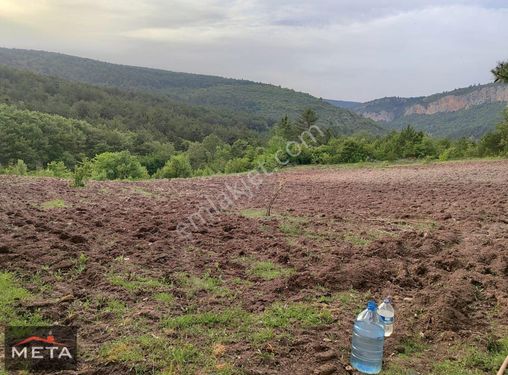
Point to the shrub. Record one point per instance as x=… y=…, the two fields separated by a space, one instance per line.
x=82 y=172
x=57 y=169
x=117 y=166
x=237 y=165
x=206 y=171
x=19 y=169
x=496 y=143
x=177 y=166
x=352 y=152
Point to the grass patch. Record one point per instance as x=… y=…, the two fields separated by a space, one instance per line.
x=163 y=297
x=10 y=294
x=136 y=284
x=194 y=284
x=285 y=315
x=146 y=352
x=116 y=308
x=268 y=270
x=290 y=228
x=355 y=239
x=253 y=213
x=81 y=263
x=422 y=225
x=263 y=335
x=475 y=360
x=227 y=318
x=143 y=192
x=365 y=238
x=463 y=359
x=55 y=203
x=351 y=300
x=409 y=346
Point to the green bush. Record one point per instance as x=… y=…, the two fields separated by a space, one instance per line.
x=57 y=169
x=352 y=151
x=237 y=165
x=176 y=167
x=117 y=166
x=153 y=155
x=205 y=171
x=82 y=172
x=496 y=143
x=18 y=169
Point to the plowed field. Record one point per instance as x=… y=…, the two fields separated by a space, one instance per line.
x=238 y=292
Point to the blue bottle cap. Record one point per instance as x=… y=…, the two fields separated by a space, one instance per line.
x=371 y=305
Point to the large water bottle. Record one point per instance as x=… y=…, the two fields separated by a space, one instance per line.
x=387 y=314
x=368 y=341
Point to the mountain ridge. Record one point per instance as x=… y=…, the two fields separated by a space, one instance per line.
x=465 y=112
x=269 y=101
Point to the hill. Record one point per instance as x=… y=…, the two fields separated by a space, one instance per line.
x=465 y=112
x=346 y=104
x=263 y=100
x=151 y=117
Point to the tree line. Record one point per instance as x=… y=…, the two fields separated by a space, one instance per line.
x=91 y=132
x=43 y=144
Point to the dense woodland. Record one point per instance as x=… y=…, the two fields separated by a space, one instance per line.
x=251 y=99
x=50 y=126
x=54 y=145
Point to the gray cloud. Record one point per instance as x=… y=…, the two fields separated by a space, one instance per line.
x=336 y=49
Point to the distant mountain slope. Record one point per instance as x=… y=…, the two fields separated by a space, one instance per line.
x=268 y=101
x=465 y=112
x=148 y=117
x=346 y=104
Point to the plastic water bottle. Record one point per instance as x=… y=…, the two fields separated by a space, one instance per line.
x=368 y=341
x=387 y=315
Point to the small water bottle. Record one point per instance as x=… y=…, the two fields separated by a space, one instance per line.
x=368 y=341
x=387 y=315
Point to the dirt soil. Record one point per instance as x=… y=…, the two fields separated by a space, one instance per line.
x=435 y=237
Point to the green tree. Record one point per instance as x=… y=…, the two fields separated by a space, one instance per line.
x=285 y=129
x=117 y=166
x=82 y=172
x=57 y=169
x=501 y=72
x=307 y=119
x=211 y=143
x=155 y=154
x=237 y=165
x=198 y=155
x=176 y=167
x=496 y=142
x=18 y=169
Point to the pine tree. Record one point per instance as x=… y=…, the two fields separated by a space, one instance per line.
x=501 y=72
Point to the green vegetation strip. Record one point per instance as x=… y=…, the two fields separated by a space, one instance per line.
x=12 y=293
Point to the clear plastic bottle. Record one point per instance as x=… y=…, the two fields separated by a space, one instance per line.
x=368 y=341
x=387 y=315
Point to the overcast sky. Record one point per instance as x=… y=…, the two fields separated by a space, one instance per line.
x=356 y=50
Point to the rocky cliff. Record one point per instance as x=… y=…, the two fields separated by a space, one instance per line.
x=453 y=103
x=395 y=108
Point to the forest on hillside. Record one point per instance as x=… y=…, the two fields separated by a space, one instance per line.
x=50 y=126
x=216 y=93
x=54 y=145
x=482 y=110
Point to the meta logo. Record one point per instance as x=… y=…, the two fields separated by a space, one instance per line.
x=40 y=348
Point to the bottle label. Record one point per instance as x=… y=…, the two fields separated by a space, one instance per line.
x=387 y=320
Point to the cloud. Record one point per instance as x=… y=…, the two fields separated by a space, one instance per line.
x=331 y=48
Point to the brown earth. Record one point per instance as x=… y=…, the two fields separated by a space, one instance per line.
x=434 y=236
